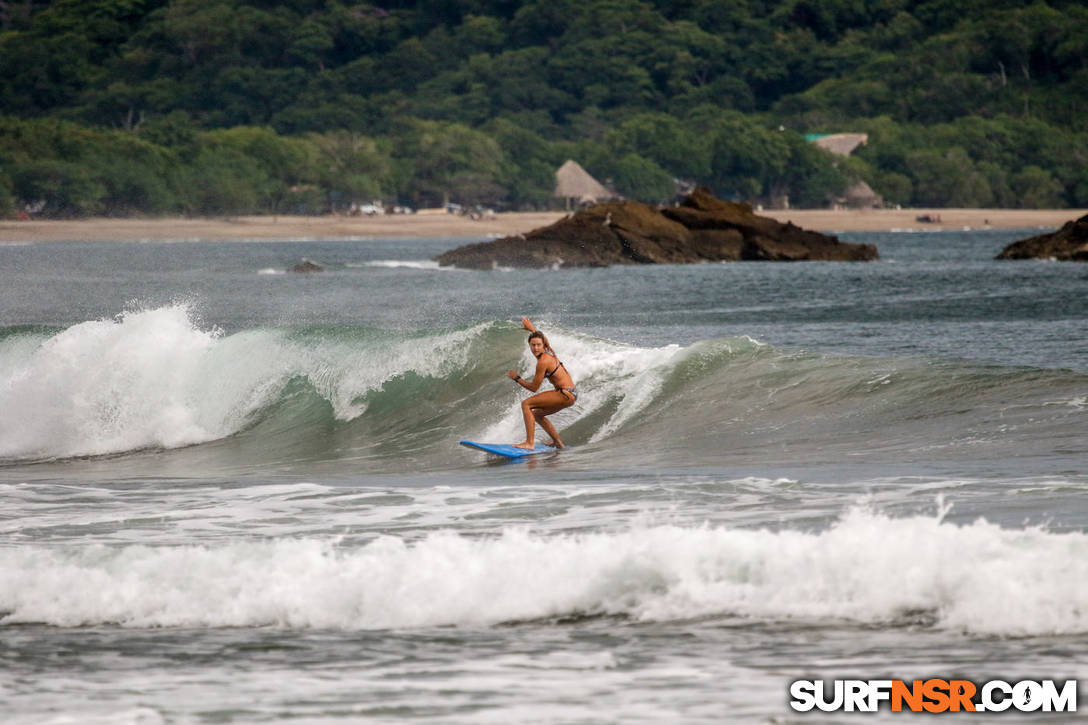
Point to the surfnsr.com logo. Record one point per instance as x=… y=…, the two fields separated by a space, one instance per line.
x=934 y=695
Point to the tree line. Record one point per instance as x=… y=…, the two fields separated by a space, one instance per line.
x=242 y=106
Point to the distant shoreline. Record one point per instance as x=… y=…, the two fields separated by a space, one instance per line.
x=285 y=228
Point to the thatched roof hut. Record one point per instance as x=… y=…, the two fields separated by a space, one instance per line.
x=862 y=196
x=572 y=182
x=842 y=144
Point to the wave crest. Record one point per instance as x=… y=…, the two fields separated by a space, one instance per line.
x=155 y=379
x=867 y=568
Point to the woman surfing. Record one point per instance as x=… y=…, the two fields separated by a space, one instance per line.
x=536 y=408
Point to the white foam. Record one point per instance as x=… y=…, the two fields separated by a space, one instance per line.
x=867 y=568
x=426 y=264
x=88 y=714
x=609 y=374
x=106 y=385
x=604 y=372
x=1079 y=402
x=153 y=378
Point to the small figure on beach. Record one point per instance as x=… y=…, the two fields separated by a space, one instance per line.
x=536 y=408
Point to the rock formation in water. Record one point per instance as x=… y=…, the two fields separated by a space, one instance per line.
x=1070 y=243
x=306 y=266
x=700 y=229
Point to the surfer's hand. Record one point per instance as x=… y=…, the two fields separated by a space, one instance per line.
x=527 y=325
x=512 y=374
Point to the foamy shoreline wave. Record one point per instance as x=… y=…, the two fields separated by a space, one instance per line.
x=867 y=568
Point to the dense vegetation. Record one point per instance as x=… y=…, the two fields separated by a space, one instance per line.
x=234 y=106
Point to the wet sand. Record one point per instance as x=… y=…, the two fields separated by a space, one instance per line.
x=446 y=225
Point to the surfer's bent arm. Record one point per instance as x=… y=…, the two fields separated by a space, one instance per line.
x=530 y=385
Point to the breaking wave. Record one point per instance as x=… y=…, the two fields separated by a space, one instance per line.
x=155 y=379
x=867 y=568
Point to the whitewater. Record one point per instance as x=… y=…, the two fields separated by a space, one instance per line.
x=232 y=494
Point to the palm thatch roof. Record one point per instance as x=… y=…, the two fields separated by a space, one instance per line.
x=862 y=196
x=842 y=144
x=574 y=182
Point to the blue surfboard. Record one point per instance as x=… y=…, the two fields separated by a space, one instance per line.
x=508 y=451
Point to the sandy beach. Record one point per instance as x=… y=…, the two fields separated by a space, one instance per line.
x=446 y=225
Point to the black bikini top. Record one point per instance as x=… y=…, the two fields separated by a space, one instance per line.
x=559 y=364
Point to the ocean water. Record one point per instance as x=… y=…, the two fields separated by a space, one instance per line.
x=231 y=494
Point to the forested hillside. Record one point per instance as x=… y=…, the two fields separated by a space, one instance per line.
x=235 y=106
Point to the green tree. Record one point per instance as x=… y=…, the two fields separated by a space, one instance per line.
x=895 y=188
x=640 y=178
x=274 y=164
x=746 y=158
x=311 y=44
x=441 y=159
x=350 y=166
x=533 y=161
x=135 y=174
x=998 y=179
x=1036 y=188
x=7 y=198
x=965 y=103
x=479 y=34
x=68 y=189
x=662 y=139
x=221 y=181
x=539 y=22
x=948 y=179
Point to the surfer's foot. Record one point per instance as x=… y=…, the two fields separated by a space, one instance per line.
x=526 y=445
x=556 y=444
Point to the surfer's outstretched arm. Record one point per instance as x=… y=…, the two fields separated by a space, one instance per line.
x=531 y=385
x=538 y=377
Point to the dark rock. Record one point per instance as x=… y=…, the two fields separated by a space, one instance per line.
x=1070 y=244
x=701 y=229
x=306 y=266
x=764 y=238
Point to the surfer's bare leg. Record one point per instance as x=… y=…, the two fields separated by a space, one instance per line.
x=545 y=401
x=540 y=415
x=530 y=425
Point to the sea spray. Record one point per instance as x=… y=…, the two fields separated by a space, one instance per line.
x=105 y=386
x=153 y=378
